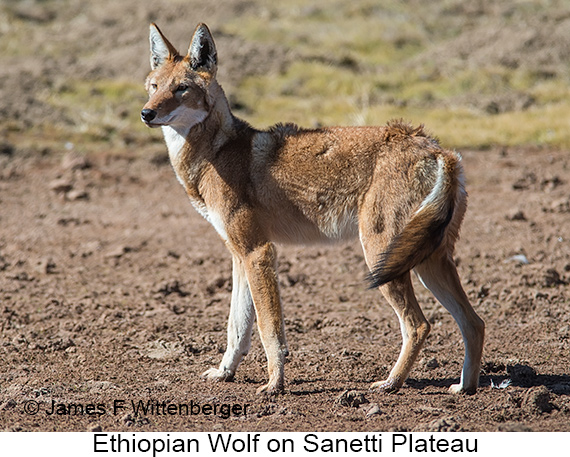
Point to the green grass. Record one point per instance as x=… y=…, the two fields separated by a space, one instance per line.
x=312 y=93
x=335 y=29
x=384 y=79
x=105 y=111
x=355 y=63
x=455 y=127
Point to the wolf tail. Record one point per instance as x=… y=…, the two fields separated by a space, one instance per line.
x=425 y=231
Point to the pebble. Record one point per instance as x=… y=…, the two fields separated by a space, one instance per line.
x=74 y=195
x=373 y=410
x=351 y=398
x=432 y=364
x=517 y=215
x=61 y=185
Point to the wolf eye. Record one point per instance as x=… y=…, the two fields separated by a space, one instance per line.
x=182 y=87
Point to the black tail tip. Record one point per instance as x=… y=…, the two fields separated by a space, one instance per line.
x=378 y=278
x=370 y=281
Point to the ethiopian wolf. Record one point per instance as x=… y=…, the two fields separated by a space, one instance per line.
x=392 y=186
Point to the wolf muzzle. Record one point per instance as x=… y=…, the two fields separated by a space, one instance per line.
x=147 y=115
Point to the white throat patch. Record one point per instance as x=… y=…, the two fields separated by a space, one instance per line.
x=175 y=134
x=175 y=140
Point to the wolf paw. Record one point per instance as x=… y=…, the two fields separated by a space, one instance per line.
x=271 y=388
x=461 y=389
x=388 y=385
x=216 y=374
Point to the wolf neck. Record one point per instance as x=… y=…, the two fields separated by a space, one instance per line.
x=189 y=145
x=175 y=138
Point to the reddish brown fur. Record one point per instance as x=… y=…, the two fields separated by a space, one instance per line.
x=393 y=186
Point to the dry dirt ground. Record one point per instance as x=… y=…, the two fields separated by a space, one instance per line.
x=113 y=288
x=114 y=294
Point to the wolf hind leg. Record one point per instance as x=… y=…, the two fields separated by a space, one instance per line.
x=399 y=293
x=414 y=327
x=439 y=274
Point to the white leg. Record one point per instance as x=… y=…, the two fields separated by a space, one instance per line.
x=439 y=275
x=240 y=325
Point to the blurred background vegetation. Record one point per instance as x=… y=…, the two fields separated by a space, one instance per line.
x=477 y=73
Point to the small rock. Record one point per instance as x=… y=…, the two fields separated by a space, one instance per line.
x=74 y=195
x=61 y=185
x=164 y=350
x=96 y=428
x=483 y=291
x=432 y=364
x=517 y=216
x=118 y=251
x=46 y=265
x=373 y=410
x=352 y=398
x=8 y=405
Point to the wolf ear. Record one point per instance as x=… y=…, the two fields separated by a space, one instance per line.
x=160 y=47
x=202 y=52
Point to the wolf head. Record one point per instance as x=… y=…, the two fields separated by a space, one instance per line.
x=178 y=85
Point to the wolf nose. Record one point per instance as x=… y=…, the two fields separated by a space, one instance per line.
x=148 y=115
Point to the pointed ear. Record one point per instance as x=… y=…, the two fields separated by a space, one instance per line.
x=160 y=47
x=202 y=52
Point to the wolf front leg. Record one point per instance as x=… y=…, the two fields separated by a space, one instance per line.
x=240 y=325
x=262 y=279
